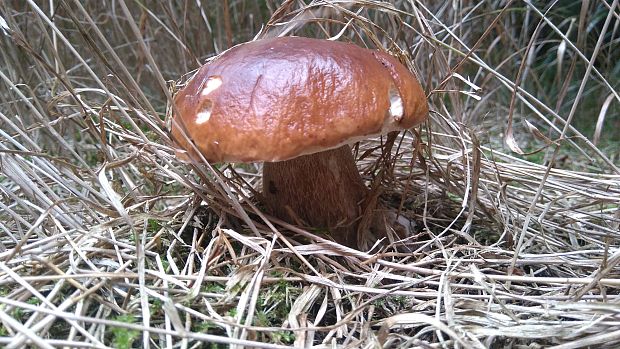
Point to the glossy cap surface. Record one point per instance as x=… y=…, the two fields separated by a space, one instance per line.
x=276 y=99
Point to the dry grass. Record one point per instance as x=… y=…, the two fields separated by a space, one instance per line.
x=108 y=241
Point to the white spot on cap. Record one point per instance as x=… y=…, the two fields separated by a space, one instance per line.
x=203 y=117
x=204 y=114
x=213 y=82
x=396 y=104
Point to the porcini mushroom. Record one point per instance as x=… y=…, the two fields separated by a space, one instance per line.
x=296 y=104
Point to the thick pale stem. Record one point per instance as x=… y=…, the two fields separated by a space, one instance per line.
x=323 y=190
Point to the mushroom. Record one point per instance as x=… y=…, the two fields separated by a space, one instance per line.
x=296 y=104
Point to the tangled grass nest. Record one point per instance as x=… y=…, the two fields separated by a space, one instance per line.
x=108 y=241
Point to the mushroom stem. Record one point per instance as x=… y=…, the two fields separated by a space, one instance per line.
x=324 y=190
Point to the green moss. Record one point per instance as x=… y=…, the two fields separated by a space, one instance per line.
x=213 y=287
x=454 y=197
x=272 y=309
x=18 y=314
x=123 y=338
x=537 y=158
x=156 y=307
x=285 y=337
x=33 y=301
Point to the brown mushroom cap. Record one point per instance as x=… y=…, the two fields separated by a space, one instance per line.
x=276 y=99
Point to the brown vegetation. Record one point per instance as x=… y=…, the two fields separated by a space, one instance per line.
x=107 y=239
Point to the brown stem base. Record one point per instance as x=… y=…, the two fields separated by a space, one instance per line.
x=323 y=190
